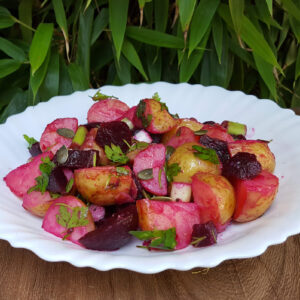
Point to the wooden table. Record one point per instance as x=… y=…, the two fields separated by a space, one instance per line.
x=273 y=275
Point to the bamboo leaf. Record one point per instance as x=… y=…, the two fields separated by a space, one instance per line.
x=154 y=63
x=285 y=29
x=65 y=83
x=291 y=55
x=186 y=10
x=201 y=21
x=40 y=45
x=117 y=21
x=161 y=13
x=99 y=61
x=297 y=69
x=6 y=19
x=295 y=25
x=8 y=66
x=265 y=70
x=296 y=96
x=78 y=78
x=264 y=14
x=270 y=6
x=88 y=3
x=12 y=50
x=131 y=55
x=25 y=16
x=237 y=11
x=61 y=20
x=292 y=8
x=38 y=77
x=100 y=23
x=217 y=31
x=154 y=38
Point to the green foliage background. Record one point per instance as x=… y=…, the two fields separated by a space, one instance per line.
x=50 y=48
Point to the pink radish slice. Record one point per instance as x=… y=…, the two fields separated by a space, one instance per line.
x=107 y=110
x=22 y=178
x=183 y=135
x=97 y=211
x=51 y=140
x=129 y=114
x=37 y=203
x=51 y=225
x=152 y=158
x=143 y=136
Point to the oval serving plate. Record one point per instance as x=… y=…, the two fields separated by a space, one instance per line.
x=22 y=230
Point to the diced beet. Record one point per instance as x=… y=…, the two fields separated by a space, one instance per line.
x=22 y=178
x=238 y=137
x=113 y=232
x=97 y=211
x=51 y=225
x=156 y=138
x=114 y=133
x=35 y=149
x=242 y=165
x=79 y=159
x=51 y=140
x=142 y=136
x=107 y=110
x=219 y=146
x=204 y=234
x=57 y=181
x=91 y=125
x=209 y=122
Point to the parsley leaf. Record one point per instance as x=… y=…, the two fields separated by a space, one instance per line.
x=42 y=181
x=99 y=96
x=206 y=154
x=159 y=239
x=115 y=154
x=140 y=113
x=29 y=140
x=156 y=97
x=69 y=185
x=172 y=170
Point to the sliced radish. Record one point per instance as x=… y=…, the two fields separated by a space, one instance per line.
x=97 y=211
x=183 y=135
x=22 y=178
x=51 y=140
x=107 y=110
x=143 y=136
x=51 y=225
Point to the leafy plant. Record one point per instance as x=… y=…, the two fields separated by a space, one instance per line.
x=50 y=48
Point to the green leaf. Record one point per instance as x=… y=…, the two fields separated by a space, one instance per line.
x=69 y=185
x=292 y=8
x=84 y=41
x=155 y=38
x=297 y=69
x=12 y=50
x=172 y=170
x=264 y=14
x=161 y=14
x=61 y=20
x=154 y=63
x=29 y=140
x=257 y=42
x=117 y=21
x=291 y=55
x=101 y=21
x=266 y=72
x=123 y=68
x=206 y=154
x=25 y=16
x=296 y=96
x=217 y=31
x=8 y=66
x=237 y=11
x=50 y=86
x=78 y=78
x=131 y=55
x=6 y=19
x=295 y=24
x=65 y=83
x=38 y=77
x=186 y=10
x=99 y=61
x=115 y=154
x=40 y=45
x=16 y=105
x=201 y=21
x=270 y=6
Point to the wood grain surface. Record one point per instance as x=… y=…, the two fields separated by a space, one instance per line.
x=273 y=275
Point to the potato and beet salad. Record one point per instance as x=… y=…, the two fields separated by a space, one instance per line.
x=144 y=173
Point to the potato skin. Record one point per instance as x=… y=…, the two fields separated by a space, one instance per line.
x=190 y=164
x=260 y=149
x=103 y=185
x=215 y=196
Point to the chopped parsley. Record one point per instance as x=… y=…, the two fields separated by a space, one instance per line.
x=99 y=96
x=115 y=154
x=69 y=185
x=172 y=170
x=140 y=113
x=29 y=140
x=206 y=154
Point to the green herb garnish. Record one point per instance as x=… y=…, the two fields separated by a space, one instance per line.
x=42 y=181
x=206 y=154
x=197 y=240
x=29 y=140
x=172 y=170
x=71 y=217
x=156 y=97
x=115 y=154
x=159 y=239
x=163 y=106
x=99 y=96
x=122 y=171
x=140 y=113
x=170 y=150
x=69 y=185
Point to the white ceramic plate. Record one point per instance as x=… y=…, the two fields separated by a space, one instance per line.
x=23 y=230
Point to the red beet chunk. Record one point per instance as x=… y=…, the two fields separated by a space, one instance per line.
x=91 y=125
x=112 y=234
x=35 y=149
x=57 y=181
x=209 y=123
x=238 y=137
x=219 y=146
x=79 y=159
x=114 y=133
x=242 y=165
x=204 y=234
